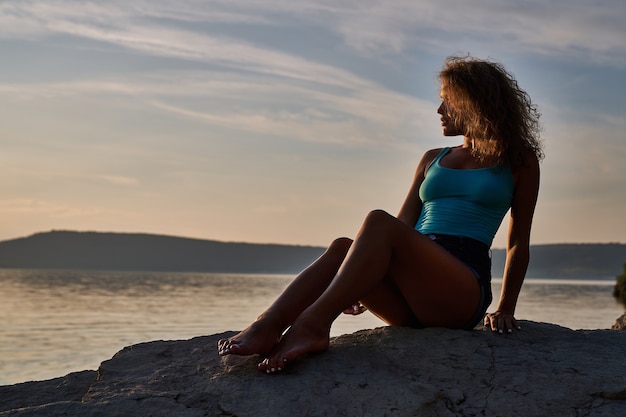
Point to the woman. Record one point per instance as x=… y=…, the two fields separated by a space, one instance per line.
x=430 y=265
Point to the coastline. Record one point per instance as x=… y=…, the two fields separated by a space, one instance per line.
x=58 y=323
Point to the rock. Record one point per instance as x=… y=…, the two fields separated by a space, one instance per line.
x=620 y=323
x=619 y=290
x=68 y=388
x=544 y=370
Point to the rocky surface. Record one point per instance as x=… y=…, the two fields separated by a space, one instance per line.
x=544 y=370
x=620 y=323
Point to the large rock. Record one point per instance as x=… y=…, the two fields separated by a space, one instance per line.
x=544 y=370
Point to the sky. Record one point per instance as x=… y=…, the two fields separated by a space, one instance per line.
x=287 y=121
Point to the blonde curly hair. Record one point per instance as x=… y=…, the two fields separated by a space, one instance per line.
x=497 y=114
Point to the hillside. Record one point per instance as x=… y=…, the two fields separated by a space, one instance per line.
x=575 y=260
x=134 y=252
x=144 y=252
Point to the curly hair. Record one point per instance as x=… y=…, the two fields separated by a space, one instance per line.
x=497 y=114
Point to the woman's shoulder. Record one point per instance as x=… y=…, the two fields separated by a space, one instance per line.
x=433 y=153
x=527 y=169
x=428 y=158
x=525 y=162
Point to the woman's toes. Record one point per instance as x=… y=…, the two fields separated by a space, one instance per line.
x=225 y=346
x=270 y=366
x=263 y=365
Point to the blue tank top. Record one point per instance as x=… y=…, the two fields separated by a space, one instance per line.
x=464 y=202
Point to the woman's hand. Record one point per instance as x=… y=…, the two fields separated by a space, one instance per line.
x=501 y=322
x=355 y=309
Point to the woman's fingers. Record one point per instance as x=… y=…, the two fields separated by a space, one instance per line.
x=355 y=309
x=501 y=323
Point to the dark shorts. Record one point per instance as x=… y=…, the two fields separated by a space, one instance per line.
x=474 y=254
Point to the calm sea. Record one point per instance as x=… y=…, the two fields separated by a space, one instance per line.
x=56 y=322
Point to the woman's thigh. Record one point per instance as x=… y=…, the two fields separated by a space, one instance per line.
x=437 y=288
x=387 y=303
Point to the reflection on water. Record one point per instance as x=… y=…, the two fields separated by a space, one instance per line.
x=55 y=322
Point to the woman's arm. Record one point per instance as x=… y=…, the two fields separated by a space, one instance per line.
x=518 y=247
x=412 y=206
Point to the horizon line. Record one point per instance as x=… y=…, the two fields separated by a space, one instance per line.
x=257 y=243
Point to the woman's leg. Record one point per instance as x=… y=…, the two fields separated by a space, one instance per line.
x=439 y=289
x=262 y=335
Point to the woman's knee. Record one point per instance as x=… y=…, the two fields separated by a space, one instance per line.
x=340 y=246
x=377 y=218
x=378 y=215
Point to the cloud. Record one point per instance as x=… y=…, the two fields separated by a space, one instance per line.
x=566 y=27
x=352 y=117
x=340 y=103
x=358 y=112
x=45 y=208
x=120 y=180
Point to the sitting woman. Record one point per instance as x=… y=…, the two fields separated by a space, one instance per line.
x=430 y=265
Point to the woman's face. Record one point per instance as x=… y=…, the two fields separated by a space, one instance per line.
x=450 y=124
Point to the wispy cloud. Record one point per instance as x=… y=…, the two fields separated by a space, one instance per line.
x=580 y=28
x=357 y=113
x=45 y=207
x=314 y=90
x=120 y=180
x=591 y=30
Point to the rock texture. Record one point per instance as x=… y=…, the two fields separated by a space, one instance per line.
x=544 y=370
x=620 y=323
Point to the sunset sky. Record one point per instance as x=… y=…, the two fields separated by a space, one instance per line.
x=286 y=121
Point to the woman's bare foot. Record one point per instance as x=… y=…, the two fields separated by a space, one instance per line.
x=300 y=339
x=258 y=338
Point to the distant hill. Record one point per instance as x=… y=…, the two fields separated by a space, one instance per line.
x=146 y=252
x=571 y=260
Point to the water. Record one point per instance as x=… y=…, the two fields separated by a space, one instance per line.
x=56 y=322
